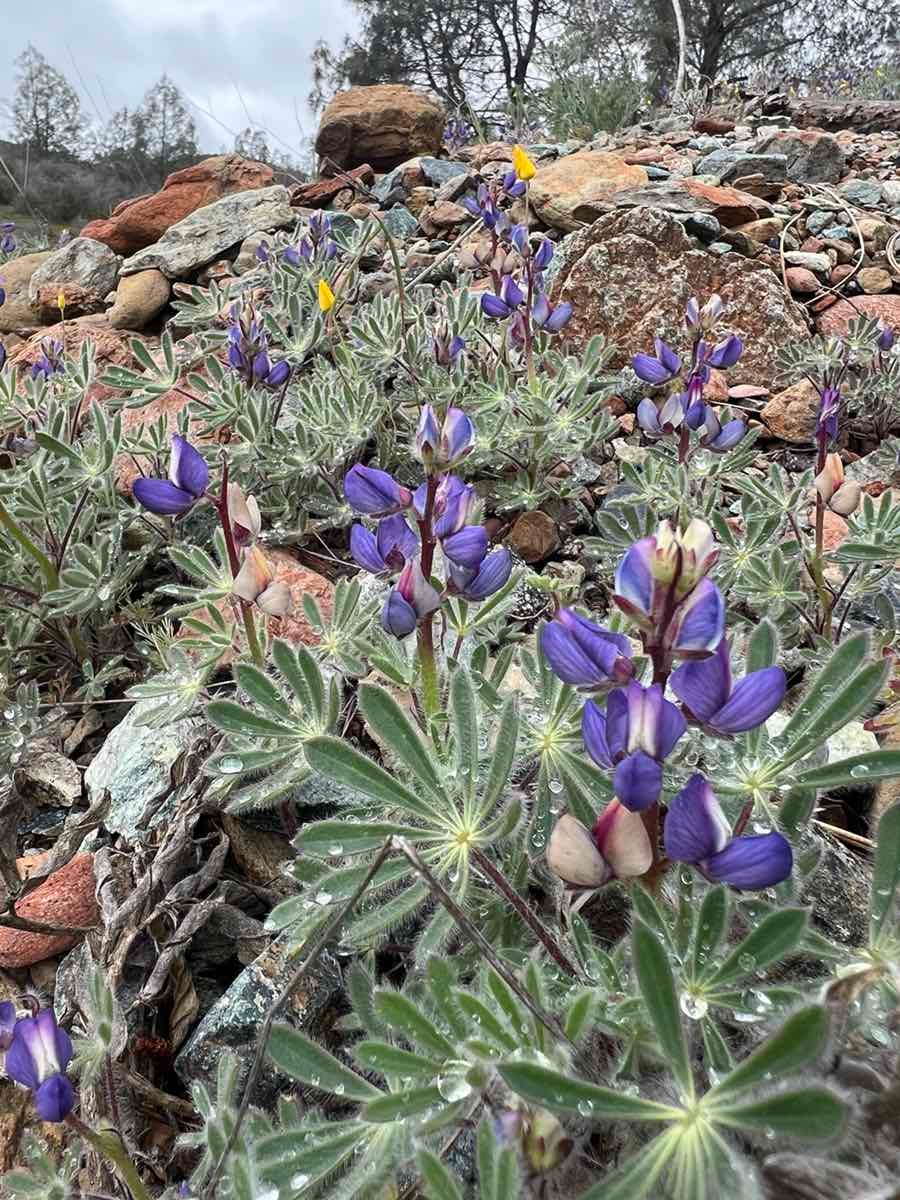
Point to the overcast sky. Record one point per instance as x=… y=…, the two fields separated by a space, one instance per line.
x=245 y=62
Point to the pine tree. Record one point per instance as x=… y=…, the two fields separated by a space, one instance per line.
x=46 y=109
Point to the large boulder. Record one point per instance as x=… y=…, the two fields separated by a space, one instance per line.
x=812 y=157
x=630 y=274
x=382 y=125
x=142 y=221
x=575 y=190
x=206 y=234
x=18 y=313
x=83 y=267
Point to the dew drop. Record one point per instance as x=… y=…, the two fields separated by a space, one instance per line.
x=323 y=899
x=586 y=1107
x=693 y=1007
x=230 y=764
x=555 y=786
x=454 y=1087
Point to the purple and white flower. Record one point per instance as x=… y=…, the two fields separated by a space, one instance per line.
x=38 y=1055
x=710 y=697
x=187 y=482
x=584 y=654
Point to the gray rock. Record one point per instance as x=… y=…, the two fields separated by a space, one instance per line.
x=47 y=777
x=731 y=164
x=206 y=234
x=134 y=763
x=890 y=191
x=702 y=225
x=820 y=263
x=817 y=221
x=719 y=248
x=439 y=171
x=246 y=259
x=83 y=263
x=811 y=157
x=233 y=1022
x=654 y=172
x=399 y=221
x=865 y=192
x=387 y=183
x=840 y=233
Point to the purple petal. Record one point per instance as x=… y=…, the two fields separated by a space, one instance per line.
x=617 y=720
x=560 y=317
x=698 y=413
x=511 y=293
x=729 y=436
x=753 y=700
x=453 y=505
x=649 y=369
x=162 y=497
x=566 y=658
x=457 y=434
x=187 y=468
x=471 y=205
x=637 y=781
x=492 y=575
x=700 y=621
x=671 y=725
x=395 y=541
x=369 y=490
x=593 y=731
x=667 y=356
x=279 y=374
x=398 y=617
x=752 y=862
x=364 y=549
x=695 y=824
x=648 y=416
x=468 y=547
x=704 y=686
x=726 y=353
x=540 y=313
x=543 y=254
x=633 y=579
x=428 y=433
x=604 y=648
x=19 y=1064
x=493 y=306
x=54 y=1099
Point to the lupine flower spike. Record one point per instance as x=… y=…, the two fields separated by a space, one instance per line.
x=697 y=832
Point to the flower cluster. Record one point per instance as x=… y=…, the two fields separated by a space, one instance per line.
x=317 y=244
x=248 y=350
x=662 y=584
x=685 y=410
x=441 y=506
x=50 y=361
x=37 y=1054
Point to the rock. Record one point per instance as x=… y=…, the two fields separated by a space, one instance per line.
x=83 y=263
x=874 y=280
x=443 y=216
x=820 y=263
x=18 y=312
x=399 y=221
x=320 y=192
x=134 y=764
x=142 y=221
x=382 y=125
x=791 y=414
x=79 y=302
x=47 y=778
x=534 y=536
x=730 y=164
x=210 y=231
x=233 y=1022
x=729 y=206
x=762 y=230
x=802 y=281
x=246 y=257
x=864 y=192
x=631 y=273
x=875 y=232
x=139 y=298
x=65 y=898
x=811 y=157
x=883 y=308
x=702 y=225
x=577 y=189
x=439 y=171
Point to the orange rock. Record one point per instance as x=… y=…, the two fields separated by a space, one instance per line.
x=383 y=126
x=143 y=220
x=65 y=898
x=883 y=308
x=791 y=414
x=577 y=189
x=834 y=530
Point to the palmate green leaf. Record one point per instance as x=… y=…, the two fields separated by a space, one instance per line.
x=392 y=1060
x=657 y=984
x=390 y=724
x=502 y=755
x=562 y=1093
x=640 y=1177
x=878 y=764
x=365 y=931
x=399 y=1106
x=301 y=672
x=712 y=925
x=231 y=717
x=647 y=910
x=588 y=788
x=439 y=1183
x=498 y=1166
x=335 y=839
x=775 y=936
x=464 y=714
x=486 y=1023
x=260 y=687
x=814 y=1114
x=833 y=677
x=303 y=1060
x=886 y=875
x=854 y=698
x=762 y=651
x=285 y=1157
x=407 y=1019
x=799 y=1041
x=340 y=761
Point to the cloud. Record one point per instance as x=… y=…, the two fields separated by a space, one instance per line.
x=247 y=64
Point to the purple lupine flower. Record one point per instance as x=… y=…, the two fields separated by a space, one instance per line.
x=489 y=577
x=829 y=410
x=7 y=1024
x=446 y=350
x=248 y=350
x=37 y=1058
x=262 y=252
x=375 y=492
x=885 y=338
x=510 y=298
x=584 y=654
x=660 y=584
x=726 y=353
x=718 y=437
x=616 y=848
x=453 y=504
x=410 y=600
x=706 y=690
x=659 y=369
x=697 y=832
x=442 y=446
x=706 y=317
x=637 y=731
x=466 y=548
x=50 y=361
x=387 y=549
x=513 y=185
x=484 y=205
x=7 y=244
x=187 y=482
x=659 y=421
x=549 y=317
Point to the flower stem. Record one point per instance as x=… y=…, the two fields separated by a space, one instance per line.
x=108 y=1143
x=826 y=600
x=431 y=691
x=18 y=534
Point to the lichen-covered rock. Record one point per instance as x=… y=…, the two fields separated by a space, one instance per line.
x=812 y=157
x=142 y=221
x=83 y=263
x=576 y=189
x=791 y=414
x=836 y=320
x=630 y=274
x=382 y=125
